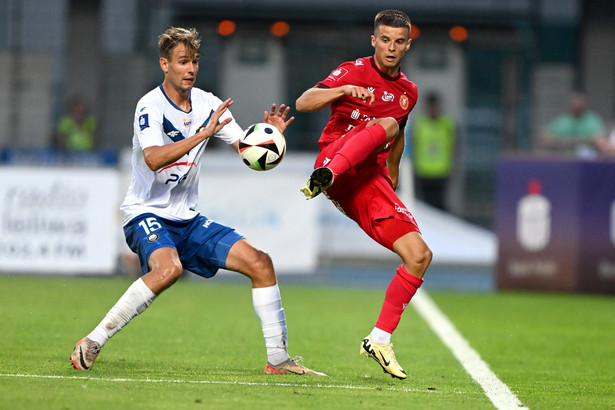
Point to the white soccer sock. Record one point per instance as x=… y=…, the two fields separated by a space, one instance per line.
x=134 y=301
x=268 y=307
x=380 y=336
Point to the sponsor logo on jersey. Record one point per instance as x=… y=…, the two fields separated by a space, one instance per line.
x=152 y=237
x=358 y=62
x=173 y=134
x=338 y=73
x=387 y=97
x=187 y=122
x=371 y=89
x=404 y=102
x=143 y=121
x=355 y=114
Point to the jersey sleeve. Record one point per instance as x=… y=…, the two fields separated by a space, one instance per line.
x=148 y=124
x=342 y=75
x=231 y=132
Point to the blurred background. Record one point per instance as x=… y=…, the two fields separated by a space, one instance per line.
x=502 y=69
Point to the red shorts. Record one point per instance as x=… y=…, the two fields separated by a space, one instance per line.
x=365 y=194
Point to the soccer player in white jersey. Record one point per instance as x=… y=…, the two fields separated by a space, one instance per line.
x=172 y=125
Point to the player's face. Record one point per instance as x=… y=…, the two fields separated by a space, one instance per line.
x=181 y=69
x=390 y=44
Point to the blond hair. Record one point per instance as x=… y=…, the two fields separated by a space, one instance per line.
x=176 y=35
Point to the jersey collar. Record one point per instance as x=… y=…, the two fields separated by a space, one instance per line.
x=173 y=104
x=383 y=75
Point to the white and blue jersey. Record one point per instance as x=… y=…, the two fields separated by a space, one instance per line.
x=170 y=192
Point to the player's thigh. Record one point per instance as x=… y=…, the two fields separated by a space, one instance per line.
x=146 y=234
x=165 y=269
x=164 y=258
x=389 y=124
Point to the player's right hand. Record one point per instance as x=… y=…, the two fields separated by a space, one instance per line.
x=361 y=93
x=214 y=125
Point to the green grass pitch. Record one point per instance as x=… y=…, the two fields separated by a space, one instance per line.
x=200 y=346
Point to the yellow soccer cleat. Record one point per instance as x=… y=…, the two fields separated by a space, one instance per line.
x=383 y=354
x=291 y=367
x=320 y=180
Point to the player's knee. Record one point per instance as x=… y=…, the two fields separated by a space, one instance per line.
x=390 y=126
x=262 y=262
x=423 y=257
x=428 y=256
x=169 y=273
x=417 y=257
x=261 y=268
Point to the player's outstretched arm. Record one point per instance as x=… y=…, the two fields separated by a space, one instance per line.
x=315 y=98
x=157 y=157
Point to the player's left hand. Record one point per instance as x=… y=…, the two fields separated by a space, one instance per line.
x=278 y=119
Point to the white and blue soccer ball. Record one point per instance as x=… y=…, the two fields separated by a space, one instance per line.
x=262 y=147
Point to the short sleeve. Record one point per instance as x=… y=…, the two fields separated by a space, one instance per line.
x=342 y=75
x=148 y=125
x=231 y=132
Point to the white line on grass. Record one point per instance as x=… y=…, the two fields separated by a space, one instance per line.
x=498 y=392
x=239 y=383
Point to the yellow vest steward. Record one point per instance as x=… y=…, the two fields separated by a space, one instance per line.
x=434 y=146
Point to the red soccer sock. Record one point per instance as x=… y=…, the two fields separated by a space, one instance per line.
x=361 y=145
x=402 y=288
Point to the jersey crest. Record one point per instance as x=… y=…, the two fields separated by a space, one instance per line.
x=338 y=74
x=404 y=102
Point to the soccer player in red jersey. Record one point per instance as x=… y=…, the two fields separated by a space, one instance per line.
x=358 y=165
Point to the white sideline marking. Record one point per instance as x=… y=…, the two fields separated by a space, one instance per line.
x=124 y=380
x=498 y=392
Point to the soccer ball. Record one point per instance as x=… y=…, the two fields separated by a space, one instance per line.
x=262 y=147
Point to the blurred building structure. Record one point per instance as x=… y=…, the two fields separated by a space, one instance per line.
x=512 y=73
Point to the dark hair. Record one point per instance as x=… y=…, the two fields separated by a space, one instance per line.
x=392 y=18
x=433 y=98
x=175 y=35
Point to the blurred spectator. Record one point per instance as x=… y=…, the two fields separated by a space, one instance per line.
x=434 y=148
x=76 y=129
x=578 y=132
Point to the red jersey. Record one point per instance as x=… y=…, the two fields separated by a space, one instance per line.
x=394 y=97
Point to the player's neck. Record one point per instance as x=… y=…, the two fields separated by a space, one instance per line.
x=391 y=71
x=181 y=98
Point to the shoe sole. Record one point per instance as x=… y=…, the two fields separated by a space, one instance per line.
x=272 y=370
x=320 y=180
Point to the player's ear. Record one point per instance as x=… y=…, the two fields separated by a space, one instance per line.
x=164 y=64
x=373 y=41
